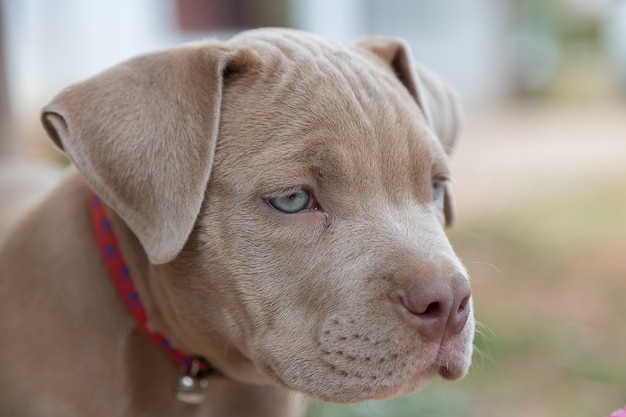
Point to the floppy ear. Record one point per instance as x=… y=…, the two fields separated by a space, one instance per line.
x=439 y=102
x=143 y=136
x=449 y=209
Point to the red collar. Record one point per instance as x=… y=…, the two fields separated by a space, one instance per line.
x=194 y=366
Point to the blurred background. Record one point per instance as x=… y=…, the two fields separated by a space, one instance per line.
x=540 y=171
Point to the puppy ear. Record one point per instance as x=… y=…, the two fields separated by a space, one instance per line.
x=143 y=136
x=439 y=102
x=449 y=209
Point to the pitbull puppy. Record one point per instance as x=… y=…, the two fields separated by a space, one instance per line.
x=280 y=201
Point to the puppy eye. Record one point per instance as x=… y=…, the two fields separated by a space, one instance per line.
x=438 y=186
x=293 y=203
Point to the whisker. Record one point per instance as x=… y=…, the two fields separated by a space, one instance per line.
x=489 y=335
x=488 y=264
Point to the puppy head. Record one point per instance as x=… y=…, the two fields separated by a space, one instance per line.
x=293 y=191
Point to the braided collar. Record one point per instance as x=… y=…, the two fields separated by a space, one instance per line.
x=194 y=368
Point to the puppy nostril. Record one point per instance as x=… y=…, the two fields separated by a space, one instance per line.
x=427 y=312
x=432 y=310
x=463 y=305
x=424 y=305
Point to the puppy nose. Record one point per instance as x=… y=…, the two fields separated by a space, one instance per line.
x=438 y=309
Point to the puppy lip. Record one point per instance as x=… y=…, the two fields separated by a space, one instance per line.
x=451 y=373
x=449 y=369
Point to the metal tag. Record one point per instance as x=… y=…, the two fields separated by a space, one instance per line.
x=191 y=388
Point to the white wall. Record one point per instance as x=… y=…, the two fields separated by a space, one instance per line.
x=53 y=43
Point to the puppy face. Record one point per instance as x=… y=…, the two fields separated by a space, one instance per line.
x=291 y=197
x=323 y=217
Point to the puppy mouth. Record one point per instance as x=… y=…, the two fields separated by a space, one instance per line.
x=395 y=379
x=447 y=363
x=349 y=362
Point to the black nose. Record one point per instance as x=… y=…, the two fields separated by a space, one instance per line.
x=437 y=307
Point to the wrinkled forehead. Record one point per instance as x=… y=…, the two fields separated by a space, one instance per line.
x=303 y=72
x=321 y=106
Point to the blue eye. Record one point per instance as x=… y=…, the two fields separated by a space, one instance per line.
x=438 y=188
x=292 y=203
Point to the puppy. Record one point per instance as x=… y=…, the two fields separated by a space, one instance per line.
x=265 y=215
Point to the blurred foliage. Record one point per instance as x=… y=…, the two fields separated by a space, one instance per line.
x=567 y=25
x=560 y=53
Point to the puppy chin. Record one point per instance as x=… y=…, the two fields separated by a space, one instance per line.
x=411 y=386
x=381 y=391
x=450 y=365
x=356 y=390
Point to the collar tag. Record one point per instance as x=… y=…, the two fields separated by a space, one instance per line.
x=191 y=387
